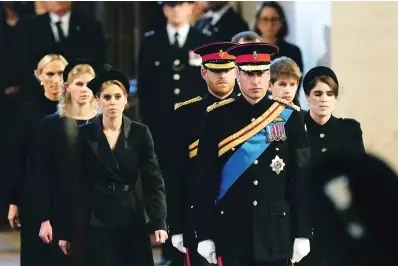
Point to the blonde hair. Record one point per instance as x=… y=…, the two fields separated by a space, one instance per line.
x=46 y=60
x=65 y=97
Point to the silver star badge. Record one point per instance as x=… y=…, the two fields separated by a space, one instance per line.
x=277 y=165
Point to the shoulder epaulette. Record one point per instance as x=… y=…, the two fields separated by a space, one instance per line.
x=292 y=105
x=149 y=33
x=219 y=104
x=194 y=100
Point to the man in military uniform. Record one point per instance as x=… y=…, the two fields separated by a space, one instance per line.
x=221 y=21
x=251 y=151
x=219 y=72
x=168 y=74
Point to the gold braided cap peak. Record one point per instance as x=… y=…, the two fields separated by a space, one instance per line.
x=193 y=100
x=219 y=104
x=292 y=105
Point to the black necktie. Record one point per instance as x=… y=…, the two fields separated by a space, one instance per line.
x=61 y=35
x=176 y=45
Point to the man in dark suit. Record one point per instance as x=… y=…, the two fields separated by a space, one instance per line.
x=62 y=31
x=221 y=22
x=169 y=73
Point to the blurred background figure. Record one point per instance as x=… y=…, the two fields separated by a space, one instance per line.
x=199 y=10
x=350 y=198
x=61 y=30
x=221 y=22
x=271 y=25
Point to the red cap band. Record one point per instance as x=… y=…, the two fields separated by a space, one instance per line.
x=253 y=58
x=218 y=56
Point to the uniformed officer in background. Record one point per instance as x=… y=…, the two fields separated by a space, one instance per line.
x=350 y=198
x=168 y=74
x=219 y=72
x=251 y=151
x=221 y=21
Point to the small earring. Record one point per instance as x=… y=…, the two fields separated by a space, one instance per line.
x=41 y=83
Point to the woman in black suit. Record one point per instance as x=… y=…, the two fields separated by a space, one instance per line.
x=77 y=106
x=327 y=134
x=112 y=151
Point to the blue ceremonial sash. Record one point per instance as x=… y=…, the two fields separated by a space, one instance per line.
x=244 y=157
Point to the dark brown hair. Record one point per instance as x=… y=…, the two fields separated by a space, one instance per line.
x=325 y=79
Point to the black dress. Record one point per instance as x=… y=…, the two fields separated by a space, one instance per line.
x=56 y=139
x=110 y=225
x=337 y=135
x=23 y=176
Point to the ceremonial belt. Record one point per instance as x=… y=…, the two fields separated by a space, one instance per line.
x=254 y=146
x=193 y=149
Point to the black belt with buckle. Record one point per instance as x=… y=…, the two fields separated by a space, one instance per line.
x=114 y=187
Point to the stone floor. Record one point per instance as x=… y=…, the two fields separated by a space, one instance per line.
x=9 y=249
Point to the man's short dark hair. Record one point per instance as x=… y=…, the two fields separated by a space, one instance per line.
x=247 y=36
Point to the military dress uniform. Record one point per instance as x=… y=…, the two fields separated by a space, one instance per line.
x=189 y=117
x=248 y=160
x=167 y=75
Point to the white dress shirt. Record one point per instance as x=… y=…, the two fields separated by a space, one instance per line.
x=182 y=34
x=65 y=19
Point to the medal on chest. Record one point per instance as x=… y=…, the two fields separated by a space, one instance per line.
x=276 y=132
x=277 y=164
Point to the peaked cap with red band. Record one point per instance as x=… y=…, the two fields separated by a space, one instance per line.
x=215 y=56
x=254 y=56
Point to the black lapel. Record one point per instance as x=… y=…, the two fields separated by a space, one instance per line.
x=47 y=30
x=74 y=25
x=192 y=40
x=99 y=145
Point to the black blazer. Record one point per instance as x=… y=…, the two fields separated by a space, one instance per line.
x=57 y=136
x=101 y=169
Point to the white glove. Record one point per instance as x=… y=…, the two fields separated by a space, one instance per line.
x=207 y=250
x=301 y=248
x=178 y=242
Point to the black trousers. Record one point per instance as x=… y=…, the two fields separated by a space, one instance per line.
x=117 y=247
x=234 y=262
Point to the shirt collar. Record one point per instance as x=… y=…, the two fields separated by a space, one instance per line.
x=64 y=19
x=182 y=33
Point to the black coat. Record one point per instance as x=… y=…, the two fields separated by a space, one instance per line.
x=23 y=168
x=36 y=39
x=336 y=135
x=258 y=218
x=57 y=137
x=189 y=119
x=290 y=50
x=100 y=170
x=229 y=24
x=165 y=78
